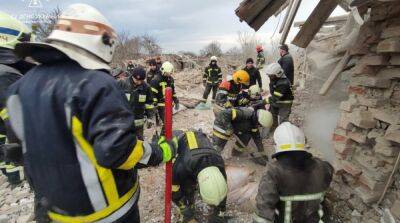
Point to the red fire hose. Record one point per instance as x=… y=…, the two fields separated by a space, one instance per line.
x=168 y=165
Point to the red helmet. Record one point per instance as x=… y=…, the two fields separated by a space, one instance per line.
x=259 y=48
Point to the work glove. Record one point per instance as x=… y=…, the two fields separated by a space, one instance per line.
x=169 y=148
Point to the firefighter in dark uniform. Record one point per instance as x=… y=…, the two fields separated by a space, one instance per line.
x=293 y=186
x=198 y=166
x=76 y=126
x=260 y=57
x=281 y=98
x=140 y=99
x=229 y=90
x=286 y=62
x=244 y=124
x=153 y=71
x=12 y=68
x=212 y=78
x=252 y=98
x=130 y=66
x=158 y=86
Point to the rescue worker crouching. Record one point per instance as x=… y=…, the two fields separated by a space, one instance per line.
x=293 y=187
x=281 y=98
x=244 y=124
x=158 y=86
x=212 y=78
x=140 y=99
x=229 y=90
x=260 y=57
x=92 y=141
x=198 y=165
x=12 y=67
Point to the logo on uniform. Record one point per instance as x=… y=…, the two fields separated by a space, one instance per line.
x=35 y=3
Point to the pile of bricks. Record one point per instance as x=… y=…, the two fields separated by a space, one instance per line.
x=367 y=137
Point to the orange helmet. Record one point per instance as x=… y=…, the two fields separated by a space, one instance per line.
x=259 y=48
x=241 y=77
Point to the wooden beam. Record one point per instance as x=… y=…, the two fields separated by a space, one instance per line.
x=283 y=7
x=330 y=21
x=265 y=14
x=249 y=9
x=335 y=73
x=345 y=5
x=286 y=16
x=290 y=19
x=314 y=22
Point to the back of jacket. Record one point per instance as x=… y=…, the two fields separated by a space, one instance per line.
x=73 y=148
x=287 y=65
x=284 y=178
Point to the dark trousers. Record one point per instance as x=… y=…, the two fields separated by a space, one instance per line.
x=280 y=113
x=209 y=87
x=161 y=115
x=139 y=130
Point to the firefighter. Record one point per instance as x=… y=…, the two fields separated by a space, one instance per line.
x=252 y=98
x=153 y=71
x=158 y=86
x=140 y=99
x=212 y=78
x=293 y=186
x=281 y=98
x=159 y=63
x=244 y=124
x=229 y=90
x=260 y=57
x=198 y=165
x=286 y=62
x=254 y=73
x=12 y=68
x=76 y=126
x=130 y=66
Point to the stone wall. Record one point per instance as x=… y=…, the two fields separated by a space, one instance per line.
x=367 y=137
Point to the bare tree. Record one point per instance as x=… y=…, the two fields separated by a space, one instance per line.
x=248 y=43
x=43 y=24
x=149 y=44
x=212 y=49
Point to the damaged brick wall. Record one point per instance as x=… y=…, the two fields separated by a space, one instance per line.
x=367 y=136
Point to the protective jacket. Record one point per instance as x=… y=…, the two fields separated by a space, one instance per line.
x=227 y=94
x=281 y=92
x=287 y=65
x=260 y=60
x=255 y=77
x=151 y=74
x=195 y=153
x=244 y=100
x=158 y=86
x=296 y=189
x=242 y=122
x=140 y=99
x=212 y=75
x=80 y=147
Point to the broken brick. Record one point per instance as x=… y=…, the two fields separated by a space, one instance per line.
x=356 y=90
x=358 y=136
x=391 y=45
x=371 y=183
x=371 y=102
x=371 y=81
x=367 y=196
x=351 y=168
x=393 y=133
x=348 y=105
x=385 y=148
x=393 y=31
x=389 y=73
x=344 y=121
x=385 y=116
x=363 y=119
x=395 y=60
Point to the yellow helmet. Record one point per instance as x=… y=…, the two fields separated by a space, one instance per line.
x=213 y=186
x=13 y=31
x=167 y=67
x=241 y=77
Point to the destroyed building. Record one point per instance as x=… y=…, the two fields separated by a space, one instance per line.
x=365 y=72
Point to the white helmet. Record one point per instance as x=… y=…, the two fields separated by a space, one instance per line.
x=288 y=138
x=214 y=58
x=264 y=118
x=167 y=67
x=274 y=69
x=83 y=34
x=213 y=186
x=254 y=91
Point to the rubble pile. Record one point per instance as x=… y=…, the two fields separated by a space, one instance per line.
x=367 y=137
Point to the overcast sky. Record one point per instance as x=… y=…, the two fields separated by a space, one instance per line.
x=178 y=25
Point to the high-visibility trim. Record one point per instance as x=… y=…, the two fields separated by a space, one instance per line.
x=234 y=114
x=305 y=197
x=219 y=135
x=4 y=114
x=134 y=157
x=128 y=96
x=175 y=188
x=148 y=106
x=217 y=128
x=154 y=90
x=278 y=94
x=161 y=104
x=142 y=98
x=106 y=176
x=2 y=136
x=289 y=146
x=139 y=122
x=105 y=215
x=258 y=219
x=254 y=130
x=192 y=141
x=285 y=102
x=147 y=151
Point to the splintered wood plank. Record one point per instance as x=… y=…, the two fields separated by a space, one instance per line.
x=335 y=74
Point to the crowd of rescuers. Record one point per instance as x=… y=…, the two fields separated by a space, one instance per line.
x=85 y=169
